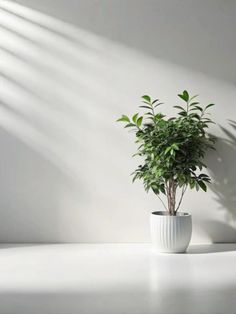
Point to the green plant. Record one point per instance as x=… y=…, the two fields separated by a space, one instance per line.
x=172 y=149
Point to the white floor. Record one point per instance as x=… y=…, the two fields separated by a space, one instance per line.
x=116 y=279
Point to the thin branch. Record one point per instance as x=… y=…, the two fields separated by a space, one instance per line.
x=181 y=197
x=174 y=196
x=162 y=202
x=168 y=195
x=165 y=183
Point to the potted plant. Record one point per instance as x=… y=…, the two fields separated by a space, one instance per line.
x=172 y=152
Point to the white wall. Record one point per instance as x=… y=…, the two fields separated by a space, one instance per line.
x=67 y=74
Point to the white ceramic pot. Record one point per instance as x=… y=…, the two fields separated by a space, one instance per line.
x=170 y=234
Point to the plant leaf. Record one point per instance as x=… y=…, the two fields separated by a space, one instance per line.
x=124 y=118
x=183 y=113
x=147 y=98
x=202 y=186
x=129 y=125
x=167 y=150
x=175 y=146
x=182 y=97
x=139 y=121
x=156 y=105
x=148 y=103
x=193 y=97
x=186 y=95
x=146 y=107
x=197 y=108
x=134 y=118
x=210 y=105
x=179 y=107
x=194 y=103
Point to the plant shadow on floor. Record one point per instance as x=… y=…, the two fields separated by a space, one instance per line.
x=211 y=248
x=221 y=165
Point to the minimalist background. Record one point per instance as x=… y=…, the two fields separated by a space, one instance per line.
x=68 y=70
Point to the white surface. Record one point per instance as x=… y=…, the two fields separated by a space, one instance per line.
x=171 y=234
x=116 y=279
x=65 y=164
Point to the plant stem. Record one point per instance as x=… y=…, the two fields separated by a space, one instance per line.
x=181 y=197
x=171 y=195
x=162 y=202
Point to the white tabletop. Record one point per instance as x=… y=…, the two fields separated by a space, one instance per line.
x=116 y=279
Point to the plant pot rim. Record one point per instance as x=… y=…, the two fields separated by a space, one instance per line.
x=166 y=214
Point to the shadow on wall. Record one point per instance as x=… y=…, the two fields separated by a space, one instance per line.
x=224 y=185
x=156 y=26
x=33 y=192
x=56 y=141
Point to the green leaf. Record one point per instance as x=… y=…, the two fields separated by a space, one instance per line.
x=195 y=115
x=124 y=118
x=134 y=118
x=192 y=184
x=139 y=121
x=203 y=175
x=184 y=96
x=202 y=186
x=194 y=103
x=167 y=150
x=183 y=113
x=209 y=121
x=159 y=116
x=156 y=105
x=146 y=107
x=193 y=97
x=175 y=146
x=129 y=125
x=179 y=107
x=147 y=98
x=210 y=105
x=197 y=108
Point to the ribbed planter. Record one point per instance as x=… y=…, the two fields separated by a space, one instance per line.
x=170 y=234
